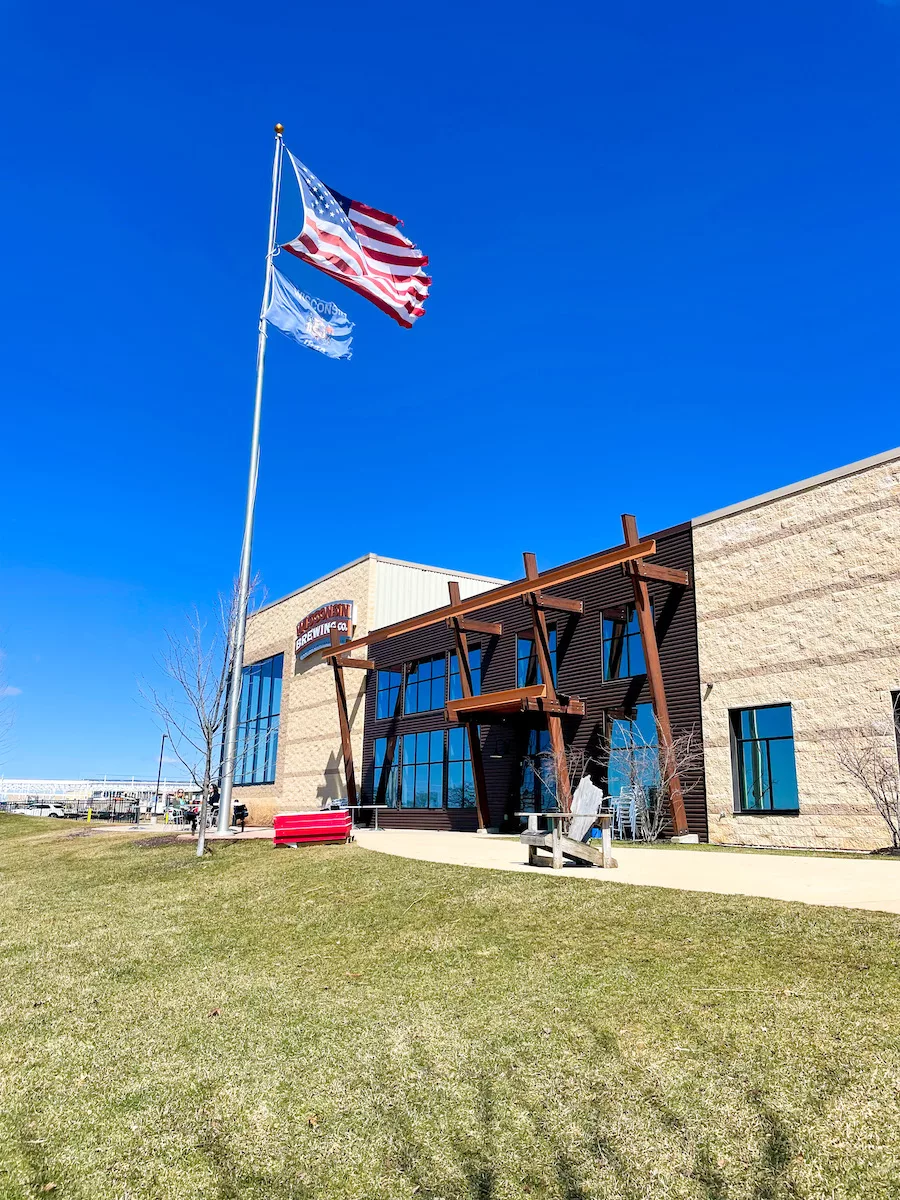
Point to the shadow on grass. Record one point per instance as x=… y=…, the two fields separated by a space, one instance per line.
x=34 y=1160
x=234 y=1181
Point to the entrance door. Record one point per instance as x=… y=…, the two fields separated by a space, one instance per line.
x=537 y=787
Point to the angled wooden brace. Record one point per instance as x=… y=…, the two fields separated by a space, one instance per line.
x=639 y=577
x=542 y=652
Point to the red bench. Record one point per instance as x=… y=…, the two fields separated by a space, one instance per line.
x=293 y=828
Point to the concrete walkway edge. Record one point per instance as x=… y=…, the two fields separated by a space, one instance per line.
x=838 y=883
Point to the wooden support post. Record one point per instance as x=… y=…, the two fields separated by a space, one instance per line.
x=556 y=842
x=554 y=724
x=668 y=766
x=482 y=809
x=344 y=718
x=386 y=767
x=606 y=840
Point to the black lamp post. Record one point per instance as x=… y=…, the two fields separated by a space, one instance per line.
x=162 y=746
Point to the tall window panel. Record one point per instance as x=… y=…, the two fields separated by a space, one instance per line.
x=460 y=781
x=765 y=772
x=537 y=788
x=633 y=753
x=623 y=651
x=423 y=770
x=455 y=692
x=528 y=671
x=393 y=779
x=425 y=684
x=387 y=693
x=258 y=719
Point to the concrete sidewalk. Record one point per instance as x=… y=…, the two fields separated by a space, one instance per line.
x=837 y=882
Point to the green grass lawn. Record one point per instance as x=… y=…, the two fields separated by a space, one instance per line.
x=334 y=1023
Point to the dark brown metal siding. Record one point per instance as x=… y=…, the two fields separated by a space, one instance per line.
x=579 y=673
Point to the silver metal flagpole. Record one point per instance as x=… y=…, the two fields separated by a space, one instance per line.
x=240 y=628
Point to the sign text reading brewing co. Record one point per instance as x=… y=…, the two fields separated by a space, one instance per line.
x=314 y=631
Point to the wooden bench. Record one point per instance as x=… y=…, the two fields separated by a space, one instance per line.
x=292 y=829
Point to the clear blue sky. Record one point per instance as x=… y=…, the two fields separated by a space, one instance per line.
x=665 y=242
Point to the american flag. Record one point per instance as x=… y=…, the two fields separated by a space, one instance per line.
x=362 y=247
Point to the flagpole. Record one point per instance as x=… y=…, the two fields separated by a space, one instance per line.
x=240 y=618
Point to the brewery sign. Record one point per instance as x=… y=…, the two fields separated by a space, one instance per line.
x=314 y=631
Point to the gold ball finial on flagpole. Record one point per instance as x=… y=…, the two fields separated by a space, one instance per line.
x=279 y=129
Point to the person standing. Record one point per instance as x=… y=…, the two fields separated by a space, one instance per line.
x=213 y=802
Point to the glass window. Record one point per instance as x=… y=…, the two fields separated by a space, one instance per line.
x=393 y=780
x=455 y=692
x=895 y=701
x=527 y=670
x=475 y=669
x=537 y=789
x=423 y=770
x=763 y=759
x=387 y=693
x=460 y=782
x=633 y=753
x=258 y=718
x=623 y=652
x=425 y=684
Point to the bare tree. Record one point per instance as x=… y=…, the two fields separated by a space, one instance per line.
x=869 y=757
x=639 y=768
x=192 y=706
x=546 y=768
x=649 y=772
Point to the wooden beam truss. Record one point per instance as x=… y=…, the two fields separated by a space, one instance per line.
x=506 y=591
x=639 y=575
x=460 y=628
x=550 y=703
x=468 y=625
x=337 y=664
x=542 y=654
x=554 y=603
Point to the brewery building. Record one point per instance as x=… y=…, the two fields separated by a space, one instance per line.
x=746 y=647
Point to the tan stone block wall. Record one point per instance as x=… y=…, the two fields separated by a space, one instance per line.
x=798 y=602
x=309 y=766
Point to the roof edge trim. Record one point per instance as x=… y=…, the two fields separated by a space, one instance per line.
x=793 y=489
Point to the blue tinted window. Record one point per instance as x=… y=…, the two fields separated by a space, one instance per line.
x=527 y=670
x=623 y=651
x=764 y=762
x=422 y=774
x=393 y=779
x=460 y=781
x=475 y=669
x=425 y=684
x=774 y=722
x=633 y=753
x=258 y=721
x=387 y=693
x=455 y=687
